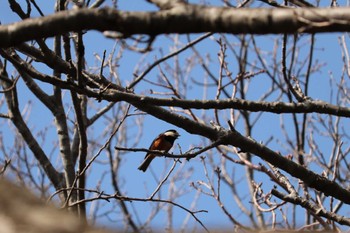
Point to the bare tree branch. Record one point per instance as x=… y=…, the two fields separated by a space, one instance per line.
x=16 y=118
x=180 y=19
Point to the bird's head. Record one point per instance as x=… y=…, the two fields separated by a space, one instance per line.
x=171 y=133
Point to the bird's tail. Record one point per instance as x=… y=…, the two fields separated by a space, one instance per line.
x=144 y=165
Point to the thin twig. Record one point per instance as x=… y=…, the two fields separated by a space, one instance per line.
x=188 y=156
x=107 y=142
x=95 y=156
x=190 y=44
x=163 y=181
x=7 y=163
x=105 y=197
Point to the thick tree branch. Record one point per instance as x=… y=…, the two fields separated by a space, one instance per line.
x=180 y=19
x=314 y=106
x=35 y=89
x=311 y=179
x=313 y=208
x=240 y=104
x=80 y=113
x=16 y=118
x=234 y=103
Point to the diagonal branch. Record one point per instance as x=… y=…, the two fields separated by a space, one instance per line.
x=314 y=209
x=17 y=120
x=232 y=137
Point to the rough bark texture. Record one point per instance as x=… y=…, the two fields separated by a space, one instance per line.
x=181 y=19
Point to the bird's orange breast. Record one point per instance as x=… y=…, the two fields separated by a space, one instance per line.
x=161 y=144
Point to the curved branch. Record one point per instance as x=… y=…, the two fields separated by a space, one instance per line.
x=102 y=196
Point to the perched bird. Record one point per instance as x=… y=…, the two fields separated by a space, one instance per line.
x=163 y=143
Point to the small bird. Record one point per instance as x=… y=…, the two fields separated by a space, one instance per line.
x=163 y=143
